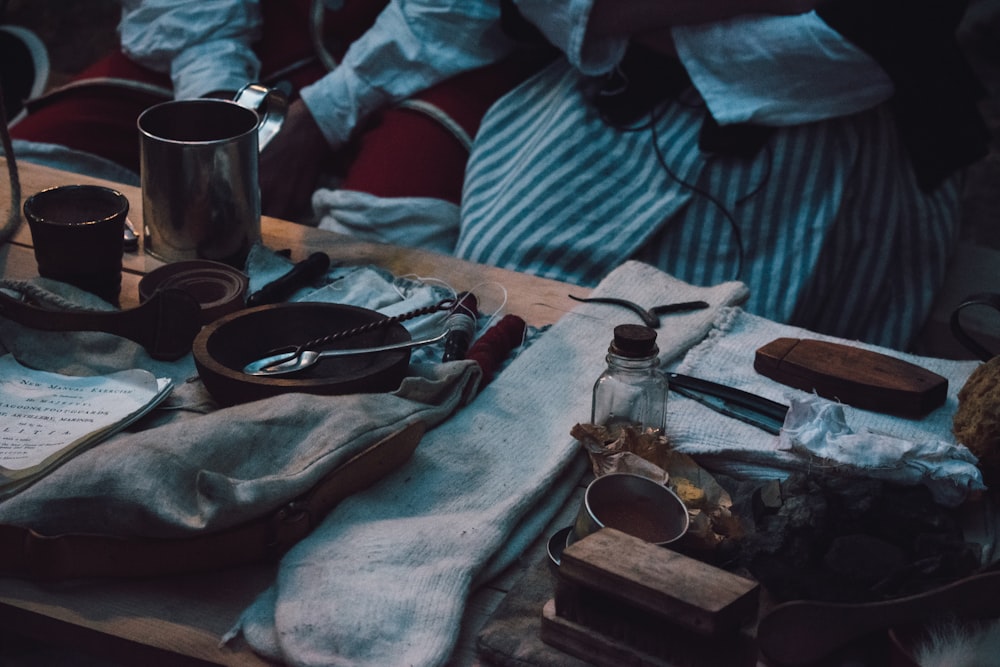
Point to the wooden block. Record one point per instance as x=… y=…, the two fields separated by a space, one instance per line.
x=851 y=375
x=665 y=647
x=685 y=591
x=595 y=647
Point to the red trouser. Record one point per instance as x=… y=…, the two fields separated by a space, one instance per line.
x=404 y=153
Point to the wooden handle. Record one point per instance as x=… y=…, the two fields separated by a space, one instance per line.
x=802 y=632
x=165 y=325
x=302 y=274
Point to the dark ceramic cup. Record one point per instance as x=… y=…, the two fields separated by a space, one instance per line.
x=78 y=234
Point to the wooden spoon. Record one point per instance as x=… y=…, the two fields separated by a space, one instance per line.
x=802 y=632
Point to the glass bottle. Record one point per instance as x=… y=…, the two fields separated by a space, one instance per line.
x=632 y=390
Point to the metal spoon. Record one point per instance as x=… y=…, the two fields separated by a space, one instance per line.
x=281 y=364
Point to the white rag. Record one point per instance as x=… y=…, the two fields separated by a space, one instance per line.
x=819 y=433
x=367 y=287
x=384 y=579
x=415 y=222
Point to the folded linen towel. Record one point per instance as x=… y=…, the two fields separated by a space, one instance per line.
x=819 y=432
x=384 y=579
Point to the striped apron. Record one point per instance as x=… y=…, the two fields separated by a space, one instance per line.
x=825 y=224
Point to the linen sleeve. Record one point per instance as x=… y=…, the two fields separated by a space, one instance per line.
x=412 y=45
x=779 y=70
x=205 y=45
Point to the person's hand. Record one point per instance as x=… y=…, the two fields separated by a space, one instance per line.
x=290 y=165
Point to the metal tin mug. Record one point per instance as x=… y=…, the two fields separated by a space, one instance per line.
x=632 y=504
x=199 y=173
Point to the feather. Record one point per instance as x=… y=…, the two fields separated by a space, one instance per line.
x=957 y=644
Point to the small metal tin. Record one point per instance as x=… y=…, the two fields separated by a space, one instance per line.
x=218 y=288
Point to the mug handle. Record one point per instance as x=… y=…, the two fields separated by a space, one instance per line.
x=269 y=103
x=989 y=299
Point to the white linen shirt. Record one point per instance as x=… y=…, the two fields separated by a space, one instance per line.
x=779 y=70
x=204 y=45
x=775 y=70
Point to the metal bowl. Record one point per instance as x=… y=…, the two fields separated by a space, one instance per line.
x=632 y=504
x=225 y=346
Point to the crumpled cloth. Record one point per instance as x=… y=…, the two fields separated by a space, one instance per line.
x=818 y=433
x=367 y=287
x=384 y=579
x=193 y=468
x=818 y=427
x=420 y=222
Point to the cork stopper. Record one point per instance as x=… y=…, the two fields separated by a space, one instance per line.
x=634 y=341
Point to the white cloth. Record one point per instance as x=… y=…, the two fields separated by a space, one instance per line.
x=816 y=427
x=863 y=443
x=424 y=222
x=383 y=581
x=367 y=287
x=818 y=74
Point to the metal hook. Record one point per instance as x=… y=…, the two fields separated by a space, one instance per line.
x=649 y=317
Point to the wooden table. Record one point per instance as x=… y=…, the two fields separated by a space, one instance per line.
x=538 y=300
x=179 y=619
